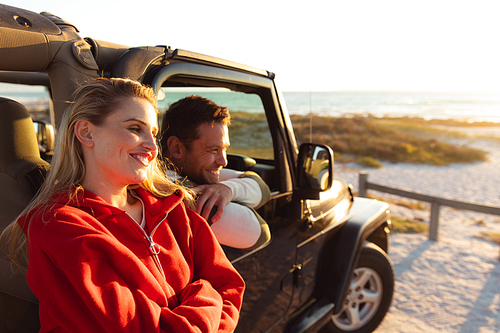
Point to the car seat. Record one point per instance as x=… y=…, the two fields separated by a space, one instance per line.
x=22 y=172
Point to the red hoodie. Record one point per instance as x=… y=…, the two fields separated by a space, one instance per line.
x=94 y=269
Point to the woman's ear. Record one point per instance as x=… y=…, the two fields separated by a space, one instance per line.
x=83 y=132
x=175 y=147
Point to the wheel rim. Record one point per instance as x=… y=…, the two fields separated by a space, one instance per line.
x=362 y=302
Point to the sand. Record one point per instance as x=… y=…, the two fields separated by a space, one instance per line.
x=453 y=284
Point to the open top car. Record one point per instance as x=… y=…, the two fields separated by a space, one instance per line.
x=326 y=265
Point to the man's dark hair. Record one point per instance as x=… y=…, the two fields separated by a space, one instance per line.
x=183 y=118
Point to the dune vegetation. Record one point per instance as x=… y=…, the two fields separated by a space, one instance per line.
x=406 y=225
x=369 y=140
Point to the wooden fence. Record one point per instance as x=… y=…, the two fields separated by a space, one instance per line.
x=435 y=202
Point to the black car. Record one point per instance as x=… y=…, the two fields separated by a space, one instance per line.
x=326 y=265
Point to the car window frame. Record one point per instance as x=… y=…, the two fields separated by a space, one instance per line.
x=190 y=73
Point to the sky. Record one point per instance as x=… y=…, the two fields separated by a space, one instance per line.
x=328 y=45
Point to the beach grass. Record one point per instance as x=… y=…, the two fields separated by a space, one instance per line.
x=250 y=135
x=396 y=140
x=490 y=236
x=446 y=129
x=406 y=225
x=366 y=140
x=368 y=161
x=411 y=204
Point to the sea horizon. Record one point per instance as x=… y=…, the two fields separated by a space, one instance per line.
x=465 y=106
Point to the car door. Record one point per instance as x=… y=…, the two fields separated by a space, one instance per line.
x=258 y=132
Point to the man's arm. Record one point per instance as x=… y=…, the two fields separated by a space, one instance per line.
x=235 y=186
x=241 y=227
x=246 y=187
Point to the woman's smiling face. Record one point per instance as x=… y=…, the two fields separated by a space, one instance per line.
x=124 y=145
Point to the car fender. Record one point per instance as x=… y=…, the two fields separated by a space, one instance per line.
x=366 y=220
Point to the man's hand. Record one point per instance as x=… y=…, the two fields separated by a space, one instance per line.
x=210 y=196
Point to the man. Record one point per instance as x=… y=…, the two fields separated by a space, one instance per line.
x=195 y=138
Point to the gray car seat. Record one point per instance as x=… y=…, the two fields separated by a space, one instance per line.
x=22 y=171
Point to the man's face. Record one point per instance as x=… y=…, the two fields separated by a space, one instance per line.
x=207 y=154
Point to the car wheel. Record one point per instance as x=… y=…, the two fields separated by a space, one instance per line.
x=369 y=295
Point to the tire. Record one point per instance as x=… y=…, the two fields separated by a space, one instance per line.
x=369 y=295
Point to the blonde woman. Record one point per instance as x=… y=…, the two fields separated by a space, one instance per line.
x=112 y=247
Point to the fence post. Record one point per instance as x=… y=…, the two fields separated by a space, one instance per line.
x=362 y=180
x=434 y=223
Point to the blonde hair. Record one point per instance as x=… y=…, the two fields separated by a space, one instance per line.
x=92 y=102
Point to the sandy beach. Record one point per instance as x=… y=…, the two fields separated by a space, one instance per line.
x=453 y=284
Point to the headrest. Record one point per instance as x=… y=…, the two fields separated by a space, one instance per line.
x=17 y=134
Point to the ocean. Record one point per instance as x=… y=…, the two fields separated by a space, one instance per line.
x=429 y=105
x=475 y=106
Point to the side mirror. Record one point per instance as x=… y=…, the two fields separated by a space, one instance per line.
x=45 y=135
x=314 y=170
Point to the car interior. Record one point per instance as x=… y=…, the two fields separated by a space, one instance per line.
x=22 y=172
